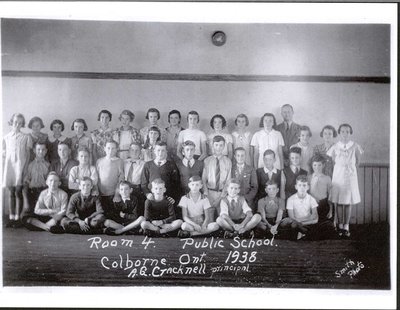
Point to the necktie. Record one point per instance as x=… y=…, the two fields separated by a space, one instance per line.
x=130 y=172
x=159 y=164
x=296 y=170
x=217 y=174
x=51 y=202
x=287 y=126
x=234 y=204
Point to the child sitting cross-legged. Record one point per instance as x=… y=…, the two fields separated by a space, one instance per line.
x=236 y=217
x=50 y=207
x=159 y=213
x=124 y=217
x=196 y=211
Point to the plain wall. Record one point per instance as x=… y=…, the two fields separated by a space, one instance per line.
x=251 y=49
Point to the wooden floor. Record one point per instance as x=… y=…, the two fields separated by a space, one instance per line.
x=44 y=259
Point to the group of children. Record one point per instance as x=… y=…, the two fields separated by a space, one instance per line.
x=175 y=181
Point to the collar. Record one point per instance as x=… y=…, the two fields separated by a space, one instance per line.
x=159 y=161
x=42 y=160
x=314 y=175
x=127 y=199
x=83 y=197
x=232 y=198
x=219 y=157
x=133 y=161
x=270 y=171
x=49 y=193
x=61 y=138
x=185 y=162
x=122 y=128
x=240 y=166
x=292 y=167
x=347 y=145
x=104 y=130
x=289 y=123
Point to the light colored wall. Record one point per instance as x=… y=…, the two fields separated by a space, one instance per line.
x=345 y=50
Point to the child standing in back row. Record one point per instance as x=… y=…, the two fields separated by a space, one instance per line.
x=345 y=192
x=304 y=145
x=16 y=146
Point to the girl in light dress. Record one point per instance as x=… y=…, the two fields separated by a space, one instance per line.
x=242 y=137
x=218 y=124
x=57 y=127
x=328 y=133
x=101 y=135
x=16 y=153
x=306 y=149
x=126 y=134
x=172 y=134
x=153 y=136
x=345 y=192
x=81 y=139
x=36 y=124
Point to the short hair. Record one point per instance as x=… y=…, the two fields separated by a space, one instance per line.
x=271 y=182
x=112 y=141
x=174 y=112
x=269 y=152
x=195 y=178
x=345 y=125
x=147 y=140
x=123 y=182
x=35 y=119
x=129 y=113
x=64 y=143
x=218 y=138
x=305 y=128
x=18 y=115
x=59 y=122
x=52 y=173
x=135 y=143
x=39 y=143
x=239 y=149
x=302 y=178
x=104 y=112
x=287 y=105
x=295 y=149
x=83 y=149
x=188 y=143
x=270 y=115
x=161 y=143
x=154 y=128
x=233 y=181
x=329 y=127
x=242 y=116
x=157 y=181
x=218 y=116
x=84 y=179
x=194 y=113
x=318 y=158
x=79 y=120
x=153 y=110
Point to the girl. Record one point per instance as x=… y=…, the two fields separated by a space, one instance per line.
x=17 y=146
x=306 y=150
x=80 y=139
x=328 y=133
x=126 y=134
x=267 y=138
x=345 y=192
x=174 y=120
x=57 y=127
x=152 y=115
x=84 y=169
x=242 y=137
x=36 y=124
x=102 y=135
x=218 y=124
x=153 y=136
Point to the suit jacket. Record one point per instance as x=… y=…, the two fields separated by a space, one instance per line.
x=290 y=137
x=248 y=182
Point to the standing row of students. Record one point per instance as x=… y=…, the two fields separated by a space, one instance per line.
x=187 y=153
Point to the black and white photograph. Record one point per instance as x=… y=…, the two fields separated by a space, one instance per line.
x=199 y=154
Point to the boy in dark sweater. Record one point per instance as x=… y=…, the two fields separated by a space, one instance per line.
x=188 y=166
x=159 y=213
x=293 y=171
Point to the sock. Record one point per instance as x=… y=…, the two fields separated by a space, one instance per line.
x=340 y=226
x=346 y=226
x=12 y=217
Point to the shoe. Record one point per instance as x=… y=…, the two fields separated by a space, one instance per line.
x=301 y=236
x=134 y=231
x=17 y=224
x=228 y=235
x=340 y=233
x=110 y=231
x=346 y=234
x=183 y=234
x=57 y=229
x=73 y=228
x=151 y=233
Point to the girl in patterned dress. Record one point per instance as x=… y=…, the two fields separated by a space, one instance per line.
x=101 y=135
x=16 y=154
x=81 y=139
x=328 y=133
x=57 y=127
x=126 y=134
x=36 y=124
x=218 y=124
x=153 y=136
x=345 y=192
x=242 y=137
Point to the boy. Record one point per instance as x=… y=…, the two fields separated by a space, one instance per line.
x=293 y=171
x=111 y=171
x=124 y=217
x=35 y=178
x=247 y=177
x=195 y=211
x=64 y=165
x=272 y=210
x=194 y=134
x=217 y=171
x=159 y=212
x=188 y=166
x=269 y=173
x=133 y=167
x=302 y=211
x=161 y=168
x=84 y=213
x=50 y=207
x=236 y=217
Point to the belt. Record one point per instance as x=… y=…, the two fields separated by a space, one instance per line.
x=214 y=190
